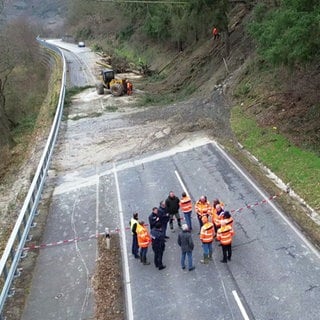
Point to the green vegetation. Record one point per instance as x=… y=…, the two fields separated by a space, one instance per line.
x=295 y=166
x=25 y=127
x=111 y=108
x=289 y=33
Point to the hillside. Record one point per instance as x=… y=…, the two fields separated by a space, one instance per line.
x=44 y=14
x=272 y=111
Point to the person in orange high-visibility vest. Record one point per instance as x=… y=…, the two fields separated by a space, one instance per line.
x=217 y=213
x=186 y=208
x=207 y=234
x=144 y=240
x=228 y=218
x=224 y=235
x=202 y=208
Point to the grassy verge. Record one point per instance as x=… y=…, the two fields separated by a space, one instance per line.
x=295 y=166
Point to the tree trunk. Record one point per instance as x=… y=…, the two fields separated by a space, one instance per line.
x=5 y=136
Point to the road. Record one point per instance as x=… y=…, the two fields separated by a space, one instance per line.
x=274 y=272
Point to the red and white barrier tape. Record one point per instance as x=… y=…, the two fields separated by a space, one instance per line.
x=117 y=230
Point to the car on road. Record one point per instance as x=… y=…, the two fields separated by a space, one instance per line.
x=81 y=44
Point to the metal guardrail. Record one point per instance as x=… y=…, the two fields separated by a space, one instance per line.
x=12 y=254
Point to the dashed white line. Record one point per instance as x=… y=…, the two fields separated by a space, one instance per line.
x=181 y=182
x=240 y=305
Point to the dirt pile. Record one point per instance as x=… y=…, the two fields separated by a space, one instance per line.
x=107 y=281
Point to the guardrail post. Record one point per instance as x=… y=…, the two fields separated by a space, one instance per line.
x=107 y=233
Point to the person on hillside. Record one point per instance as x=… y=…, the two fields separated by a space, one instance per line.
x=133 y=227
x=186 y=208
x=144 y=239
x=172 y=204
x=186 y=243
x=224 y=235
x=215 y=33
x=202 y=209
x=164 y=217
x=207 y=234
x=158 y=245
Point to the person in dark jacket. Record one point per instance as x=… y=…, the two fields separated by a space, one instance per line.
x=153 y=218
x=186 y=243
x=133 y=226
x=158 y=245
x=173 y=205
x=164 y=217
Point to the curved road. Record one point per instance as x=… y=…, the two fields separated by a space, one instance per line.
x=274 y=272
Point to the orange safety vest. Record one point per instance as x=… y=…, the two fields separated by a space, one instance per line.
x=207 y=232
x=225 y=234
x=203 y=208
x=229 y=221
x=215 y=216
x=185 y=204
x=215 y=31
x=144 y=238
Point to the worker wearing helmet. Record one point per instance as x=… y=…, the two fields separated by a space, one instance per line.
x=207 y=234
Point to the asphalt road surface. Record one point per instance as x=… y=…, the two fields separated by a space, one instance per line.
x=274 y=272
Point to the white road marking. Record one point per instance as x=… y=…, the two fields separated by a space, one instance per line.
x=181 y=182
x=240 y=305
x=289 y=223
x=124 y=250
x=80 y=182
x=218 y=272
x=97 y=209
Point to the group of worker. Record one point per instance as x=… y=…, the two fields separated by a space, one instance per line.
x=214 y=223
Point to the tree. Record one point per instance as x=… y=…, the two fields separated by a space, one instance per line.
x=289 y=34
x=5 y=70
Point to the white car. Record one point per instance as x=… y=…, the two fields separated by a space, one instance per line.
x=81 y=44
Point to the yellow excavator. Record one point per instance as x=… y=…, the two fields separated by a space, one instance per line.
x=117 y=87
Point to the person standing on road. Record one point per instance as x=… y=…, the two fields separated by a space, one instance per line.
x=172 y=203
x=164 y=217
x=224 y=235
x=153 y=218
x=203 y=209
x=186 y=243
x=158 y=245
x=144 y=240
x=217 y=214
x=207 y=234
x=228 y=218
x=186 y=208
x=133 y=228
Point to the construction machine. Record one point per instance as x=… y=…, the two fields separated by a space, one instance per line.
x=117 y=87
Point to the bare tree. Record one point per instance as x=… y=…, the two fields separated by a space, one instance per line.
x=5 y=69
